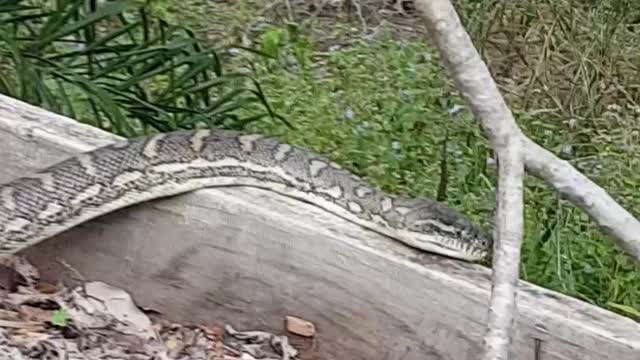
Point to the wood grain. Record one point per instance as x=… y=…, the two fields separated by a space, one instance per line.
x=250 y=257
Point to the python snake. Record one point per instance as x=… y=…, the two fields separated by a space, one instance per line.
x=50 y=201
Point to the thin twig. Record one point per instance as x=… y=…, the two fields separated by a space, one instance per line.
x=289 y=10
x=363 y=21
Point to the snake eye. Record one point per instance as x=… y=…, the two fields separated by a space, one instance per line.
x=484 y=242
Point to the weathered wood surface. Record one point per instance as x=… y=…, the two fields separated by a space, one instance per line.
x=249 y=257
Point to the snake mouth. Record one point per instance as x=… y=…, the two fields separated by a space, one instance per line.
x=453 y=252
x=443 y=246
x=454 y=248
x=439 y=245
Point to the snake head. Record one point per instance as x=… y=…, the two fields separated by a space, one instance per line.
x=447 y=231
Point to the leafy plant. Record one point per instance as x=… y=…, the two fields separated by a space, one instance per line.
x=59 y=318
x=277 y=43
x=116 y=67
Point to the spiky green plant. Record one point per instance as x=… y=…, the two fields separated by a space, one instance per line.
x=116 y=67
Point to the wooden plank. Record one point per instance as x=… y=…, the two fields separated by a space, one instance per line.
x=250 y=257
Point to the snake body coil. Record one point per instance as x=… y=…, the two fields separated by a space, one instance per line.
x=50 y=201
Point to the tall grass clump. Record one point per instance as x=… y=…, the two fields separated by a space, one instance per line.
x=115 y=66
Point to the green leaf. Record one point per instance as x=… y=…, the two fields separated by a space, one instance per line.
x=625 y=308
x=271 y=42
x=59 y=318
x=110 y=9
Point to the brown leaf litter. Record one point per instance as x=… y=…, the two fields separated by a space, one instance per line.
x=98 y=321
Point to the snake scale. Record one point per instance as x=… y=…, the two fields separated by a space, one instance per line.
x=52 y=200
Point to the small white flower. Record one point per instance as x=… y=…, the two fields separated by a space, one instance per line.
x=348 y=114
x=455 y=109
x=614 y=107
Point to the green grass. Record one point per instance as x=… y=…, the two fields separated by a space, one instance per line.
x=382 y=109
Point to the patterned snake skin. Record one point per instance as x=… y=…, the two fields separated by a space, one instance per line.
x=38 y=206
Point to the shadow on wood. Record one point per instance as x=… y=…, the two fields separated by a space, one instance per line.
x=249 y=257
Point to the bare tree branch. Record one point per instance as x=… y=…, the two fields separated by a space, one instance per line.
x=506 y=257
x=613 y=219
x=610 y=216
x=474 y=81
